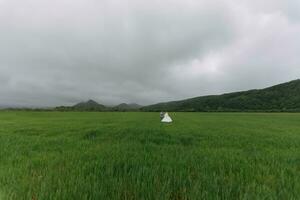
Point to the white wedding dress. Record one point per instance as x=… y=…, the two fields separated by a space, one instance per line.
x=167 y=118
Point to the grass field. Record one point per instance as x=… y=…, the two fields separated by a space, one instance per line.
x=52 y=155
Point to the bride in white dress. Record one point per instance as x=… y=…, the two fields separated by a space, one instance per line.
x=166 y=118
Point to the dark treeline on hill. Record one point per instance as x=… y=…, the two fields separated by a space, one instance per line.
x=280 y=98
x=127 y=107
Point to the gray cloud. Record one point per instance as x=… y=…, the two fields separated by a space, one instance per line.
x=60 y=52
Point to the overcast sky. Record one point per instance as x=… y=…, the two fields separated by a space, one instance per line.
x=60 y=52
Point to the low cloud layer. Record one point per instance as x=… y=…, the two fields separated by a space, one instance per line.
x=60 y=52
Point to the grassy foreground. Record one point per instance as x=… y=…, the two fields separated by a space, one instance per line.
x=51 y=155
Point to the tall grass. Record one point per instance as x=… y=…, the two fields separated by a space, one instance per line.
x=49 y=155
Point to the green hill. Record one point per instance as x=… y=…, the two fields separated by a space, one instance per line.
x=283 y=97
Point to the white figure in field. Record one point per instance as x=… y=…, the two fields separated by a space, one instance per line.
x=162 y=115
x=167 y=118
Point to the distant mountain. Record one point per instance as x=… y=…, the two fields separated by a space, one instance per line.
x=283 y=97
x=92 y=105
x=89 y=105
x=127 y=107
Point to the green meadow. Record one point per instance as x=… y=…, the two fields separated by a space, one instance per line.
x=94 y=155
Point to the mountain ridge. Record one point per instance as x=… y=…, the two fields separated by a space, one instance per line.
x=281 y=97
x=92 y=105
x=284 y=97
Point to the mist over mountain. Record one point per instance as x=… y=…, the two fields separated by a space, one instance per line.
x=282 y=97
x=89 y=105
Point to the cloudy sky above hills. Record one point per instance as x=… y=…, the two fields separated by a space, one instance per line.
x=60 y=52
